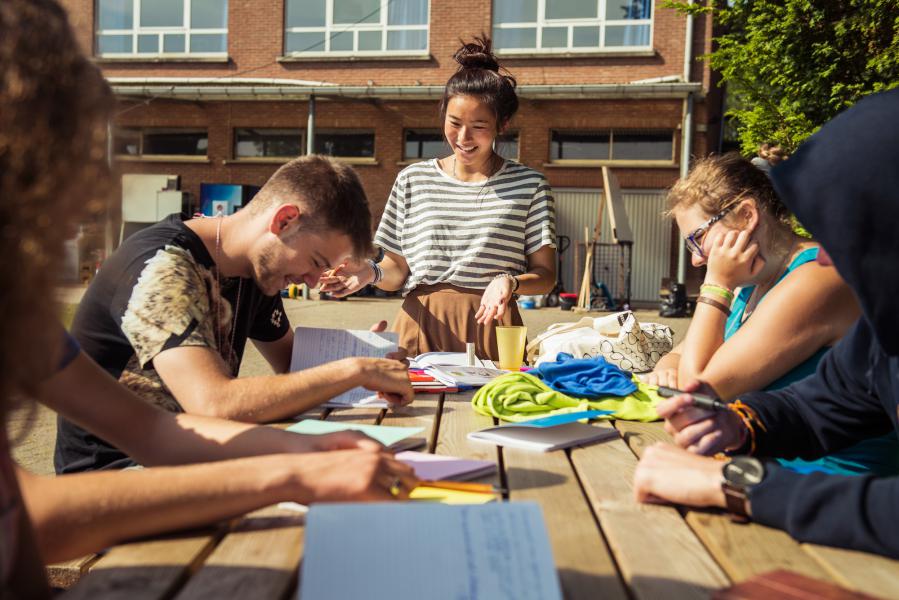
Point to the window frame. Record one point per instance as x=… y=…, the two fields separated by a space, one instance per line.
x=630 y=162
x=136 y=31
x=141 y=133
x=600 y=21
x=267 y=158
x=331 y=29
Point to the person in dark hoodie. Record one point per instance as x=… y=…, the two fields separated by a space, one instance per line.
x=843 y=185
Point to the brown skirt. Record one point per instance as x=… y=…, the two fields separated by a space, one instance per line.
x=440 y=318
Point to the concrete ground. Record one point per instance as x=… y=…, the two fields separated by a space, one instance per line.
x=32 y=428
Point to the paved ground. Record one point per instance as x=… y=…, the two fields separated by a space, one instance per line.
x=33 y=428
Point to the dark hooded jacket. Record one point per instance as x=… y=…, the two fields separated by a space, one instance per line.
x=843 y=185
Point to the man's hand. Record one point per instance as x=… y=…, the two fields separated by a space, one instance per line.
x=668 y=474
x=698 y=430
x=388 y=377
x=352 y=476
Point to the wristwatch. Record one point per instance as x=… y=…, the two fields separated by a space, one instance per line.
x=740 y=475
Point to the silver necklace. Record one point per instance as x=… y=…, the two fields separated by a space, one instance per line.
x=490 y=173
x=219 y=303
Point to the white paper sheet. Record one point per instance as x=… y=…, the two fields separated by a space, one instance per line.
x=313 y=346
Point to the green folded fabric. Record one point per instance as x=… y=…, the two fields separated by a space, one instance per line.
x=519 y=397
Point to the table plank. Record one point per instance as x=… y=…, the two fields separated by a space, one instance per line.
x=259 y=558
x=859 y=571
x=147 y=570
x=584 y=561
x=423 y=412
x=63 y=575
x=657 y=553
x=457 y=419
x=743 y=550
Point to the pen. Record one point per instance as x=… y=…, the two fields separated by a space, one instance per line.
x=462 y=486
x=699 y=400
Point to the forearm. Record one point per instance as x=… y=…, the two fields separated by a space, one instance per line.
x=538 y=280
x=274 y=397
x=109 y=410
x=394 y=274
x=75 y=515
x=704 y=337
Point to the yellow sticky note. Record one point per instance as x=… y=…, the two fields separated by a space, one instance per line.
x=429 y=494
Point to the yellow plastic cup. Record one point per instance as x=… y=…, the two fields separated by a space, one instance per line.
x=511 y=341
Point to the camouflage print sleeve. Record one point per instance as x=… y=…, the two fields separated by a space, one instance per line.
x=170 y=306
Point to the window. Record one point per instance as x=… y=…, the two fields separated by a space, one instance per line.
x=424 y=143
x=345 y=143
x=152 y=28
x=620 y=145
x=572 y=25
x=268 y=143
x=160 y=142
x=344 y=27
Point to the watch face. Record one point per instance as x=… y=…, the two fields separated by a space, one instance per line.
x=744 y=471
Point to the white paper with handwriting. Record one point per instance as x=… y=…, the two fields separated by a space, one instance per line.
x=314 y=346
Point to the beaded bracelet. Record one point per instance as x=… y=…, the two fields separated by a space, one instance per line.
x=515 y=282
x=717 y=290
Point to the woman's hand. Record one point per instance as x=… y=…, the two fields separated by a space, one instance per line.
x=348 y=278
x=666 y=377
x=494 y=300
x=733 y=259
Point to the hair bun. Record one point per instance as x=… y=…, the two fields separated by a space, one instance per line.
x=476 y=55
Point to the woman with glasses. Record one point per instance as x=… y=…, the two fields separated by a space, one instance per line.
x=767 y=312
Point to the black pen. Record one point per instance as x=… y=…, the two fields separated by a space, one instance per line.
x=699 y=400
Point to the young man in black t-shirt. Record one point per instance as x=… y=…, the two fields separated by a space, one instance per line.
x=170 y=311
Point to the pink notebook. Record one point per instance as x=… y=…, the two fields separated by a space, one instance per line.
x=434 y=466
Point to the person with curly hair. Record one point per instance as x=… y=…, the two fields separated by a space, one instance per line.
x=463 y=234
x=54 y=112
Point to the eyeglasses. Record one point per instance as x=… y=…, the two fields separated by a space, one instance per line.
x=694 y=240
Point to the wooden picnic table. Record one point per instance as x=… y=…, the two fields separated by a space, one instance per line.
x=605 y=544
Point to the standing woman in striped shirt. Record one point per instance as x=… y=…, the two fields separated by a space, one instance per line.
x=465 y=233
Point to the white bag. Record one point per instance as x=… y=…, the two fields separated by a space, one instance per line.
x=618 y=338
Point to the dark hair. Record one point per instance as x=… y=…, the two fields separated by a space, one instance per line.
x=330 y=190
x=479 y=75
x=717 y=182
x=54 y=111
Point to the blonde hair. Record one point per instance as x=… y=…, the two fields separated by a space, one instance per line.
x=718 y=182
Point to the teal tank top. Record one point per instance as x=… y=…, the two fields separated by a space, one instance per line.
x=876 y=455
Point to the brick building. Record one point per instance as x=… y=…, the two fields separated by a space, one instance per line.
x=223 y=91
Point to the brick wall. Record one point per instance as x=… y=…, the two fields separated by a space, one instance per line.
x=256 y=40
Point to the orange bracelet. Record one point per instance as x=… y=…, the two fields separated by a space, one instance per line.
x=750 y=420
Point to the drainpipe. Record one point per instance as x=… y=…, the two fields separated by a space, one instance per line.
x=108 y=234
x=310 y=127
x=686 y=140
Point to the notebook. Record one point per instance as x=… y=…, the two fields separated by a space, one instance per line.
x=395 y=438
x=543 y=439
x=412 y=550
x=431 y=467
x=314 y=346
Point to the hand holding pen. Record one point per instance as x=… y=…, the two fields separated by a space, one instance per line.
x=699 y=421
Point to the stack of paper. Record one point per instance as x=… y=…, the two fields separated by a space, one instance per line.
x=430 y=467
x=407 y=551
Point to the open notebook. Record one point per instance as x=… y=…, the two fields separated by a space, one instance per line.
x=409 y=551
x=314 y=346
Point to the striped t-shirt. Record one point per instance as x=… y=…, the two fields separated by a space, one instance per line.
x=466 y=233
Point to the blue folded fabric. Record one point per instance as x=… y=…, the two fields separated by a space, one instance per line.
x=585 y=377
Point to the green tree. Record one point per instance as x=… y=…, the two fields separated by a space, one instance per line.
x=792 y=65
